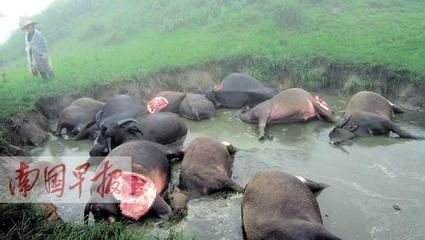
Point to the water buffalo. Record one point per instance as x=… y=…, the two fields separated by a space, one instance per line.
x=77 y=115
x=166 y=101
x=138 y=182
x=116 y=108
x=280 y=206
x=196 y=107
x=238 y=90
x=367 y=114
x=206 y=168
x=161 y=127
x=290 y=105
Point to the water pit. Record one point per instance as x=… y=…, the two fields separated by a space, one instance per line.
x=366 y=177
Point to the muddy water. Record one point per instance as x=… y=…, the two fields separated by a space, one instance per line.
x=366 y=177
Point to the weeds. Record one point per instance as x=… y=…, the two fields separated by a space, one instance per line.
x=25 y=221
x=289 y=14
x=354 y=84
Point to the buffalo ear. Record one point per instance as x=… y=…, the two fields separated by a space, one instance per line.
x=312 y=185
x=84 y=131
x=175 y=189
x=342 y=121
x=174 y=154
x=97 y=118
x=111 y=219
x=136 y=130
x=245 y=109
x=229 y=147
x=353 y=127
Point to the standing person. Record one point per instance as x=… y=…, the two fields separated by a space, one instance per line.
x=36 y=48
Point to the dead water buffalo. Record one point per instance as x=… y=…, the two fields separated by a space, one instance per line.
x=161 y=127
x=188 y=105
x=196 y=107
x=367 y=114
x=280 y=206
x=206 y=168
x=77 y=115
x=290 y=105
x=238 y=90
x=136 y=183
x=116 y=108
x=166 y=101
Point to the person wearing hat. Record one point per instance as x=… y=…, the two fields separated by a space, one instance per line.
x=36 y=48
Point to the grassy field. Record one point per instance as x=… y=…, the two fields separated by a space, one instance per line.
x=93 y=42
x=116 y=41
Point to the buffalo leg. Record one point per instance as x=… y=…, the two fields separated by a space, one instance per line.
x=323 y=111
x=396 y=108
x=262 y=128
x=397 y=130
x=234 y=186
x=58 y=129
x=161 y=208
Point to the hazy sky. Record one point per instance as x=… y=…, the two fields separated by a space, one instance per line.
x=12 y=10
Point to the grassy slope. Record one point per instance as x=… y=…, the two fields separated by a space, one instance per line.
x=98 y=42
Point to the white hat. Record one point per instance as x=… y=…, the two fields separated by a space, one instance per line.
x=27 y=22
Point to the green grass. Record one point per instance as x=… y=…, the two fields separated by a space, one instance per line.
x=98 y=42
x=26 y=222
x=20 y=220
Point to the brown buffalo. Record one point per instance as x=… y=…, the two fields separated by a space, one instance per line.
x=196 y=107
x=144 y=177
x=280 y=206
x=206 y=168
x=77 y=115
x=290 y=105
x=367 y=114
x=165 y=101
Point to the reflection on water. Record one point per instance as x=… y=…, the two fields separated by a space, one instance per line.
x=366 y=177
x=72 y=154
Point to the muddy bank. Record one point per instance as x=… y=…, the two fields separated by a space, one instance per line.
x=26 y=130
x=22 y=132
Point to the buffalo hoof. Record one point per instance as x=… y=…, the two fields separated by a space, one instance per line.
x=267 y=136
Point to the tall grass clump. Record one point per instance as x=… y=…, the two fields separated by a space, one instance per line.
x=289 y=13
x=355 y=83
